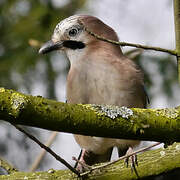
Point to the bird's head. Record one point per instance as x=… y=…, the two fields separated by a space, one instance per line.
x=71 y=35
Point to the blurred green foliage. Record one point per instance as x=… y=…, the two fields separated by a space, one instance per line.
x=20 y=21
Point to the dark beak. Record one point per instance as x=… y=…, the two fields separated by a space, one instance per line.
x=50 y=46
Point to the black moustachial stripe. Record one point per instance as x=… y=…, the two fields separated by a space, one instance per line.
x=74 y=44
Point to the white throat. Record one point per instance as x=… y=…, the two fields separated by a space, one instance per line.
x=75 y=55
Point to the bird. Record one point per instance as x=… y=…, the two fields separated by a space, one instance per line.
x=99 y=74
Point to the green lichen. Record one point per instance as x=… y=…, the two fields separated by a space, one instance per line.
x=7 y=167
x=2 y=90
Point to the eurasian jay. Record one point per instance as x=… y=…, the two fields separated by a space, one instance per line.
x=99 y=74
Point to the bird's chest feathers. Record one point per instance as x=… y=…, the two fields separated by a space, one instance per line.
x=89 y=82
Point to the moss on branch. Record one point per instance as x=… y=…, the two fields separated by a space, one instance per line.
x=106 y=121
x=152 y=162
x=6 y=167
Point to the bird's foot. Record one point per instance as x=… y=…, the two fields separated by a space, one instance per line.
x=81 y=165
x=133 y=160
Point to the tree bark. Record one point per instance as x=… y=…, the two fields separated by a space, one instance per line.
x=161 y=125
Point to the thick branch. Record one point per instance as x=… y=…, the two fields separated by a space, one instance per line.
x=177 y=32
x=153 y=162
x=161 y=125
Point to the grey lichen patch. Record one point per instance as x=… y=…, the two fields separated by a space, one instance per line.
x=113 y=111
x=169 y=113
x=18 y=102
x=178 y=147
x=162 y=153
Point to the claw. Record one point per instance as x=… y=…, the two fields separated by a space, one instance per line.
x=136 y=161
x=126 y=161
x=133 y=159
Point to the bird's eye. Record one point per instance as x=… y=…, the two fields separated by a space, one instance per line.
x=73 y=32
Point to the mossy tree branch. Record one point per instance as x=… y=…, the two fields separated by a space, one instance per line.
x=152 y=162
x=161 y=125
x=24 y=109
x=6 y=167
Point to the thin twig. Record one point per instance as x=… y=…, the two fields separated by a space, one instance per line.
x=121 y=158
x=39 y=158
x=57 y=157
x=169 y=51
x=79 y=157
x=83 y=164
